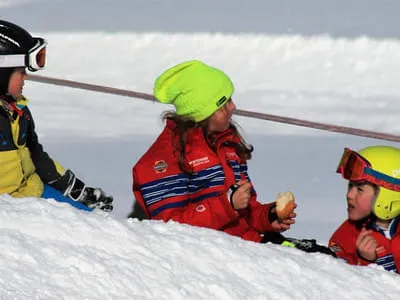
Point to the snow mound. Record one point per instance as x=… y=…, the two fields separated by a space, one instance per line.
x=51 y=250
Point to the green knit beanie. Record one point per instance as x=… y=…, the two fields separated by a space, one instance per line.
x=194 y=88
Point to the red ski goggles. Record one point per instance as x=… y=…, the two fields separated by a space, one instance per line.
x=354 y=167
x=34 y=60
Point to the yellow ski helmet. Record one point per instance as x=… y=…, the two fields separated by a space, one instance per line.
x=386 y=160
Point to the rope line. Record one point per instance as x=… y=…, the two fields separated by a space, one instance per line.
x=239 y=112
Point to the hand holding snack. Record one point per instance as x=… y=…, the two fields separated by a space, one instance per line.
x=285 y=205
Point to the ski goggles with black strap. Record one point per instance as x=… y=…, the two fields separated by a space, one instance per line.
x=34 y=60
x=354 y=167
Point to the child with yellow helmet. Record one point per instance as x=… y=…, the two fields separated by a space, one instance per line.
x=371 y=234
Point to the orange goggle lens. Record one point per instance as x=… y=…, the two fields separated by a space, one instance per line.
x=41 y=58
x=352 y=165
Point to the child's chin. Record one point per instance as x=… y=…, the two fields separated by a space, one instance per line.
x=352 y=216
x=355 y=217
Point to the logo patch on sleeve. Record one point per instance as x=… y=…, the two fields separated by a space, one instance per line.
x=160 y=166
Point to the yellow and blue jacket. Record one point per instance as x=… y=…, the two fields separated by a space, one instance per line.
x=24 y=166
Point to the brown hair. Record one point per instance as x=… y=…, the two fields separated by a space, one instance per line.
x=184 y=124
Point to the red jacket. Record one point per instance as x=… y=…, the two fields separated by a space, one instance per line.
x=166 y=193
x=343 y=242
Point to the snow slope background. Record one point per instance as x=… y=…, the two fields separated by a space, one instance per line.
x=327 y=61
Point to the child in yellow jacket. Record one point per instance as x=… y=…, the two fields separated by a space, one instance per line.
x=26 y=170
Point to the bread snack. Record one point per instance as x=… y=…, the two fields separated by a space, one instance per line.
x=284 y=205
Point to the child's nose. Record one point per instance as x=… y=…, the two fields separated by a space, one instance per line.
x=351 y=192
x=232 y=106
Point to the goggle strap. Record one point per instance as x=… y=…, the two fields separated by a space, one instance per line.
x=384 y=180
x=12 y=60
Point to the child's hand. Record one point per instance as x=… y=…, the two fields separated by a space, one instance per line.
x=284 y=224
x=366 y=245
x=241 y=197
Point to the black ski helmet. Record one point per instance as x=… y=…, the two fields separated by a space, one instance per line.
x=13 y=40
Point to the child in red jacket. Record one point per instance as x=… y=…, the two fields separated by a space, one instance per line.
x=371 y=234
x=196 y=171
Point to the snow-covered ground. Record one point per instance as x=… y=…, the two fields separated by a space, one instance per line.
x=52 y=251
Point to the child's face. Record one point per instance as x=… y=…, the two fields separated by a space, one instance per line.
x=220 y=120
x=359 y=200
x=16 y=83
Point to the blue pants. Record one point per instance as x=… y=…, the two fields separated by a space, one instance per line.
x=52 y=193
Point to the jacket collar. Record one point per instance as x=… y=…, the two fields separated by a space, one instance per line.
x=11 y=106
x=369 y=223
x=197 y=133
